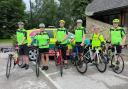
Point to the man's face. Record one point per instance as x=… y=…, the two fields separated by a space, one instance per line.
x=21 y=25
x=62 y=24
x=115 y=25
x=41 y=29
x=79 y=24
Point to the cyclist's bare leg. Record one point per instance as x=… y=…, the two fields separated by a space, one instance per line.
x=26 y=59
x=22 y=57
x=43 y=59
x=66 y=61
x=47 y=59
x=81 y=56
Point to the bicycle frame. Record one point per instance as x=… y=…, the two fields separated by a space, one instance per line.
x=93 y=55
x=97 y=53
x=59 y=54
x=115 y=52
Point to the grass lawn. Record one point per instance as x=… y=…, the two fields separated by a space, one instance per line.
x=5 y=41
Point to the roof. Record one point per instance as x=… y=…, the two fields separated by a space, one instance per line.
x=103 y=5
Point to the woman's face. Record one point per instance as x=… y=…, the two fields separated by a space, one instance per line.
x=96 y=30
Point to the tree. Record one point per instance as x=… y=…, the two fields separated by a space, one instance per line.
x=71 y=10
x=65 y=11
x=12 y=11
x=78 y=10
x=50 y=12
x=44 y=11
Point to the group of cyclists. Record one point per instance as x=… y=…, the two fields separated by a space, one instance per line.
x=116 y=33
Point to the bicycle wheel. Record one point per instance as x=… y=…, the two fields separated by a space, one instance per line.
x=37 y=66
x=8 y=67
x=101 y=64
x=61 y=66
x=81 y=65
x=118 y=64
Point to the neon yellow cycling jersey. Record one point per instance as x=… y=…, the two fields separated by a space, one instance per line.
x=20 y=34
x=117 y=35
x=97 y=39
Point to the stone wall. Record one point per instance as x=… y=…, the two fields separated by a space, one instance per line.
x=104 y=28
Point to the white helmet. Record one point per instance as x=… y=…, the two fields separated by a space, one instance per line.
x=20 y=23
x=79 y=21
x=42 y=25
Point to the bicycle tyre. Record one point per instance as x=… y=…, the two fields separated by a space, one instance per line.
x=61 y=67
x=8 y=66
x=37 y=67
x=79 y=65
x=101 y=61
x=121 y=59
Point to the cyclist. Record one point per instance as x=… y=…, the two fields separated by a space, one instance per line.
x=97 y=39
x=80 y=35
x=21 y=35
x=62 y=35
x=43 y=42
x=117 y=35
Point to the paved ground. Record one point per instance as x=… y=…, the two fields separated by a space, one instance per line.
x=26 y=79
x=92 y=79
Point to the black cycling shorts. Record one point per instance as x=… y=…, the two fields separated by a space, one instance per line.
x=64 y=49
x=23 y=49
x=118 y=48
x=43 y=50
x=80 y=48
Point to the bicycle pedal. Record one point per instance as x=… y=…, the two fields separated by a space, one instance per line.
x=111 y=66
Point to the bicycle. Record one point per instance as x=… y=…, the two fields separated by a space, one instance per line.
x=37 y=59
x=115 y=59
x=96 y=57
x=79 y=62
x=12 y=61
x=59 y=61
